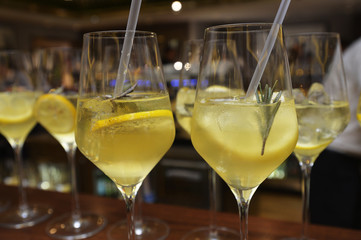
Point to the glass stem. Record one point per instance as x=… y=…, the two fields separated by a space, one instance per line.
x=129 y=202
x=243 y=207
x=23 y=203
x=128 y=194
x=75 y=209
x=212 y=203
x=243 y=198
x=306 y=179
x=138 y=220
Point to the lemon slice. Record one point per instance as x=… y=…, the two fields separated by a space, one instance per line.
x=217 y=88
x=311 y=150
x=55 y=113
x=16 y=107
x=104 y=123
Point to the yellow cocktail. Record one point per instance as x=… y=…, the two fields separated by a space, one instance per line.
x=319 y=125
x=226 y=133
x=16 y=115
x=184 y=107
x=125 y=138
x=56 y=113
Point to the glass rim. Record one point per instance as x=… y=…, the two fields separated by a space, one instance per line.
x=119 y=34
x=313 y=34
x=241 y=27
x=60 y=47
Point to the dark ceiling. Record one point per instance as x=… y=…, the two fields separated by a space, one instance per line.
x=71 y=6
x=93 y=6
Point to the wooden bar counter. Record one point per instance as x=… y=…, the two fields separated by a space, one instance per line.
x=180 y=219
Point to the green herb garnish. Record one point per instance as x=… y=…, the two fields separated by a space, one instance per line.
x=126 y=92
x=188 y=107
x=115 y=106
x=269 y=109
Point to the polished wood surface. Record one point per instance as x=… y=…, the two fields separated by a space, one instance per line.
x=180 y=219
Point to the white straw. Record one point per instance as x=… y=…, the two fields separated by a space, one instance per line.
x=127 y=46
x=266 y=52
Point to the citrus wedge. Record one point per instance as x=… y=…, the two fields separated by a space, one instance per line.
x=16 y=107
x=217 y=88
x=104 y=123
x=55 y=113
x=311 y=150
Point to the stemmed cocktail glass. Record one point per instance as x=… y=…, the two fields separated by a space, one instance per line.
x=320 y=92
x=18 y=93
x=56 y=112
x=124 y=120
x=243 y=138
x=184 y=110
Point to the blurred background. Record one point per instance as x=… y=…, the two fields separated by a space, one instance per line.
x=181 y=177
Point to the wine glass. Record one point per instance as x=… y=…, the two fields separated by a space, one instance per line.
x=56 y=112
x=124 y=120
x=184 y=110
x=243 y=138
x=145 y=227
x=322 y=106
x=18 y=93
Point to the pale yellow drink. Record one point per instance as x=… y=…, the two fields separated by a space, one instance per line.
x=359 y=117
x=319 y=125
x=16 y=115
x=125 y=138
x=358 y=111
x=57 y=113
x=184 y=107
x=227 y=134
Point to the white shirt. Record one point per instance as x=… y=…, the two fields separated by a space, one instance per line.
x=349 y=141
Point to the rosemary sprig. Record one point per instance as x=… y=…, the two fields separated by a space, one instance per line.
x=126 y=92
x=188 y=107
x=58 y=90
x=123 y=94
x=269 y=109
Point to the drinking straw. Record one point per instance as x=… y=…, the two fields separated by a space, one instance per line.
x=266 y=52
x=127 y=46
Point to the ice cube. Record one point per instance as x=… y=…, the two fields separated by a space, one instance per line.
x=317 y=94
x=299 y=96
x=185 y=101
x=98 y=105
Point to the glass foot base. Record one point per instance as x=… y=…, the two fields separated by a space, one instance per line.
x=148 y=228
x=65 y=227
x=16 y=218
x=221 y=233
